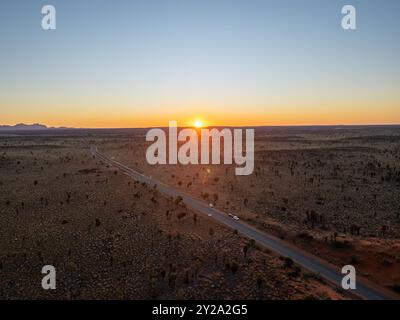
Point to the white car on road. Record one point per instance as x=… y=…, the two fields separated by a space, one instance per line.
x=233 y=216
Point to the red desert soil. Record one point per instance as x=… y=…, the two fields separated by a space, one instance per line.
x=110 y=237
x=335 y=193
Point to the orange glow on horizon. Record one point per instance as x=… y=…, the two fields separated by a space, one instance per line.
x=121 y=117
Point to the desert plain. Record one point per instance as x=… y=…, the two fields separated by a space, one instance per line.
x=331 y=191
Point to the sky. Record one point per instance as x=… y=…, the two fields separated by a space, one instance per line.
x=127 y=63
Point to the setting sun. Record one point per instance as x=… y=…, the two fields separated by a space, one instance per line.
x=198 y=124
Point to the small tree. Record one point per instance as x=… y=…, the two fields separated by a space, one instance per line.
x=245 y=249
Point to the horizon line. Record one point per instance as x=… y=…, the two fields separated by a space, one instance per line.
x=47 y=127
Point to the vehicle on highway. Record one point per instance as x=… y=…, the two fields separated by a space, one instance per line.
x=211 y=205
x=233 y=216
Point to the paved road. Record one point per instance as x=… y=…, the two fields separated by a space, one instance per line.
x=331 y=273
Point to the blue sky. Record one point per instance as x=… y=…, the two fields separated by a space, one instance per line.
x=112 y=63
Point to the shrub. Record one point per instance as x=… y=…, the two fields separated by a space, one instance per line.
x=305 y=235
x=181 y=215
x=178 y=200
x=288 y=262
x=234 y=267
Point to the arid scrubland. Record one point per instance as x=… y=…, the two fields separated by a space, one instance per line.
x=110 y=237
x=335 y=192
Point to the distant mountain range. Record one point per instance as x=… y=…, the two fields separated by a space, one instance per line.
x=23 y=126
